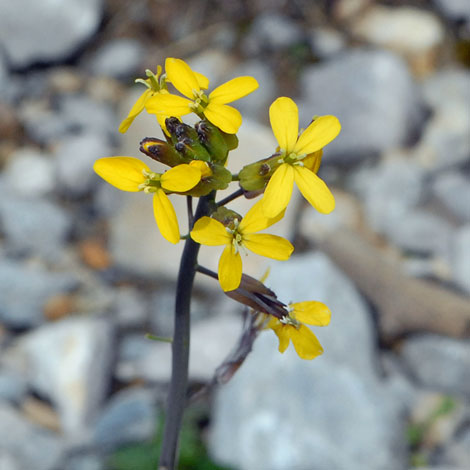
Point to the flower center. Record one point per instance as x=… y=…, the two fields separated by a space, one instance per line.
x=151 y=183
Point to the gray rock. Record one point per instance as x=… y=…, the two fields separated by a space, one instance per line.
x=371 y=93
x=460 y=258
x=85 y=461
x=129 y=417
x=130 y=307
x=330 y=413
x=13 y=386
x=453 y=190
x=18 y=310
x=447 y=87
x=22 y=222
x=53 y=32
x=30 y=172
x=30 y=446
x=75 y=157
x=69 y=362
x=426 y=354
x=119 y=58
x=8 y=461
x=271 y=31
x=454 y=10
x=420 y=232
x=325 y=42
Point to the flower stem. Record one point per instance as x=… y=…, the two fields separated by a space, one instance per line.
x=180 y=346
x=231 y=197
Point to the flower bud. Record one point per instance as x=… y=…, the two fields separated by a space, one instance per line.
x=161 y=151
x=219 y=178
x=192 y=149
x=218 y=143
x=255 y=176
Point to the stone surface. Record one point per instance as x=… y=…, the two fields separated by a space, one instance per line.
x=75 y=157
x=29 y=446
x=426 y=354
x=460 y=258
x=447 y=87
x=22 y=222
x=129 y=417
x=119 y=58
x=30 y=172
x=13 y=386
x=69 y=362
x=372 y=94
x=129 y=307
x=325 y=42
x=454 y=9
x=55 y=29
x=23 y=311
x=453 y=190
x=330 y=413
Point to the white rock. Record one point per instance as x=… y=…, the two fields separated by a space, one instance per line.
x=460 y=257
x=69 y=362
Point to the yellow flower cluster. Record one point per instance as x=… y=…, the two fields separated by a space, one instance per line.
x=197 y=158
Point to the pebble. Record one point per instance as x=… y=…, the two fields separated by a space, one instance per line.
x=69 y=362
x=373 y=96
x=119 y=58
x=326 y=43
x=28 y=445
x=30 y=172
x=460 y=258
x=129 y=307
x=129 y=417
x=427 y=353
x=75 y=157
x=39 y=45
x=454 y=10
x=13 y=386
x=25 y=311
x=452 y=189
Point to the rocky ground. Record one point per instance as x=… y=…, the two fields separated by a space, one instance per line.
x=84 y=274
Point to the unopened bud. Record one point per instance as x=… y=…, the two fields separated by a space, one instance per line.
x=218 y=143
x=255 y=176
x=161 y=151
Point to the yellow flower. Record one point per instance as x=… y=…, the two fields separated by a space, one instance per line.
x=294 y=149
x=213 y=107
x=208 y=231
x=292 y=328
x=131 y=174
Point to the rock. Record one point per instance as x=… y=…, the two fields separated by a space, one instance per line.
x=413 y=32
x=454 y=10
x=371 y=93
x=338 y=414
x=129 y=417
x=7 y=461
x=326 y=42
x=460 y=258
x=457 y=453
x=120 y=58
x=426 y=354
x=29 y=445
x=215 y=64
x=30 y=172
x=420 y=232
x=271 y=31
x=23 y=224
x=452 y=188
x=13 y=386
x=447 y=87
x=75 y=157
x=54 y=33
x=69 y=362
x=85 y=461
x=24 y=311
x=211 y=341
x=130 y=307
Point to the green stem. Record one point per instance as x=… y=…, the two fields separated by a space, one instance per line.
x=180 y=346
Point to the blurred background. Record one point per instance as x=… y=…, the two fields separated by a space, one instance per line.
x=85 y=275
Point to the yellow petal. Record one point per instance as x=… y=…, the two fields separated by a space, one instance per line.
x=182 y=77
x=225 y=117
x=283 y=336
x=318 y=134
x=255 y=220
x=314 y=190
x=233 y=90
x=168 y=104
x=278 y=191
x=203 y=167
x=305 y=342
x=202 y=80
x=211 y=232
x=312 y=313
x=136 y=109
x=230 y=269
x=125 y=173
x=284 y=118
x=165 y=217
x=270 y=246
x=313 y=161
x=181 y=178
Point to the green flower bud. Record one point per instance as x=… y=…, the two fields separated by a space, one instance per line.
x=219 y=179
x=255 y=176
x=218 y=143
x=192 y=149
x=161 y=151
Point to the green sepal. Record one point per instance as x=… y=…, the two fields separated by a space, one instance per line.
x=256 y=175
x=219 y=179
x=226 y=216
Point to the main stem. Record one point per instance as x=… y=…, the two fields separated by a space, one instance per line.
x=180 y=346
